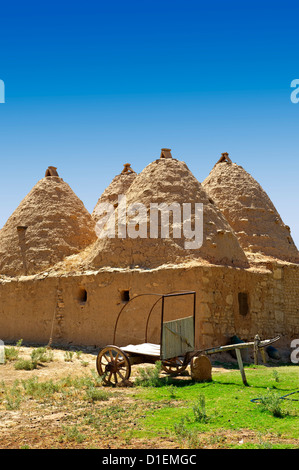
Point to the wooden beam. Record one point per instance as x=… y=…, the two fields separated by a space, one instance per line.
x=241 y=367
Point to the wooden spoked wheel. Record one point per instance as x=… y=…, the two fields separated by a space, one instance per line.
x=113 y=365
x=174 y=366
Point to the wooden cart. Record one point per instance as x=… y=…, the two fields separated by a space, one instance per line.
x=177 y=341
x=175 y=351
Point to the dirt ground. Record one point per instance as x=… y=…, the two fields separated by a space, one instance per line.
x=39 y=425
x=74 y=423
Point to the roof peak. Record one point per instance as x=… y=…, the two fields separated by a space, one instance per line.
x=165 y=153
x=127 y=170
x=51 y=171
x=224 y=158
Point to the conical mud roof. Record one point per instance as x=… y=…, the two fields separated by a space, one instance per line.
x=118 y=186
x=249 y=211
x=167 y=181
x=50 y=224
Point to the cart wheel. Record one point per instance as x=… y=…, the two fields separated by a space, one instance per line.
x=174 y=366
x=114 y=365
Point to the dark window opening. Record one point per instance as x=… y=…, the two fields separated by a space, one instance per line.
x=243 y=303
x=82 y=295
x=125 y=295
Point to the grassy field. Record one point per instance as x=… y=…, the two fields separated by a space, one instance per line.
x=56 y=400
x=221 y=412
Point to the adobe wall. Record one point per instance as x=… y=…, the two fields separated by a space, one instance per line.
x=29 y=306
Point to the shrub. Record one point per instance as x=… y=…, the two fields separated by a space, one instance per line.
x=150 y=377
x=188 y=437
x=71 y=433
x=12 y=352
x=12 y=396
x=41 y=355
x=271 y=402
x=68 y=356
x=95 y=394
x=199 y=410
x=36 y=389
x=25 y=364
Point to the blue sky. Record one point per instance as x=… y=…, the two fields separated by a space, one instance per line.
x=90 y=86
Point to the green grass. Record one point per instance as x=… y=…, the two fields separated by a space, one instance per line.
x=226 y=405
x=160 y=409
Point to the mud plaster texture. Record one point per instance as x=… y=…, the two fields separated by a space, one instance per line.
x=118 y=186
x=38 y=308
x=163 y=181
x=50 y=224
x=250 y=212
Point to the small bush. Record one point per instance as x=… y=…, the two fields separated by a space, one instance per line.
x=271 y=402
x=149 y=377
x=275 y=375
x=95 y=394
x=188 y=437
x=78 y=354
x=41 y=355
x=68 y=356
x=12 y=352
x=199 y=410
x=71 y=433
x=25 y=364
x=36 y=389
x=12 y=396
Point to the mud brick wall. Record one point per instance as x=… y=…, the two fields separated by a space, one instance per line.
x=83 y=309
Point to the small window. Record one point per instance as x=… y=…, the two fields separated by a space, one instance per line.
x=82 y=295
x=243 y=303
x=125 y=295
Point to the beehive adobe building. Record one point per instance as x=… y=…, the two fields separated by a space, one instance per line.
x=59 y=281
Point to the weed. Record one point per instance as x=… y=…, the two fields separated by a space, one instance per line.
x=12 y=352
x=94 y=394
x=171 y=390
x=71 y=433
x=41 y=355
x=39 y=390
x=68 y=356
x=78 y=354
x=262 y=444
x=150 y=376
x=199 y=410
x=38 y=355
x=25 y=364
x=271 y=402
x=188 y=437
x=13 y=396
x=275 y=375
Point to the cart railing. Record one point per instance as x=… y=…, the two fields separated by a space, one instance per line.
x=161 y=297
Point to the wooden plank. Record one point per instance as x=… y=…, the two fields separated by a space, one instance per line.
x=241 y=367
x=229 y=347
x=177 y=337
x=144 y=349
